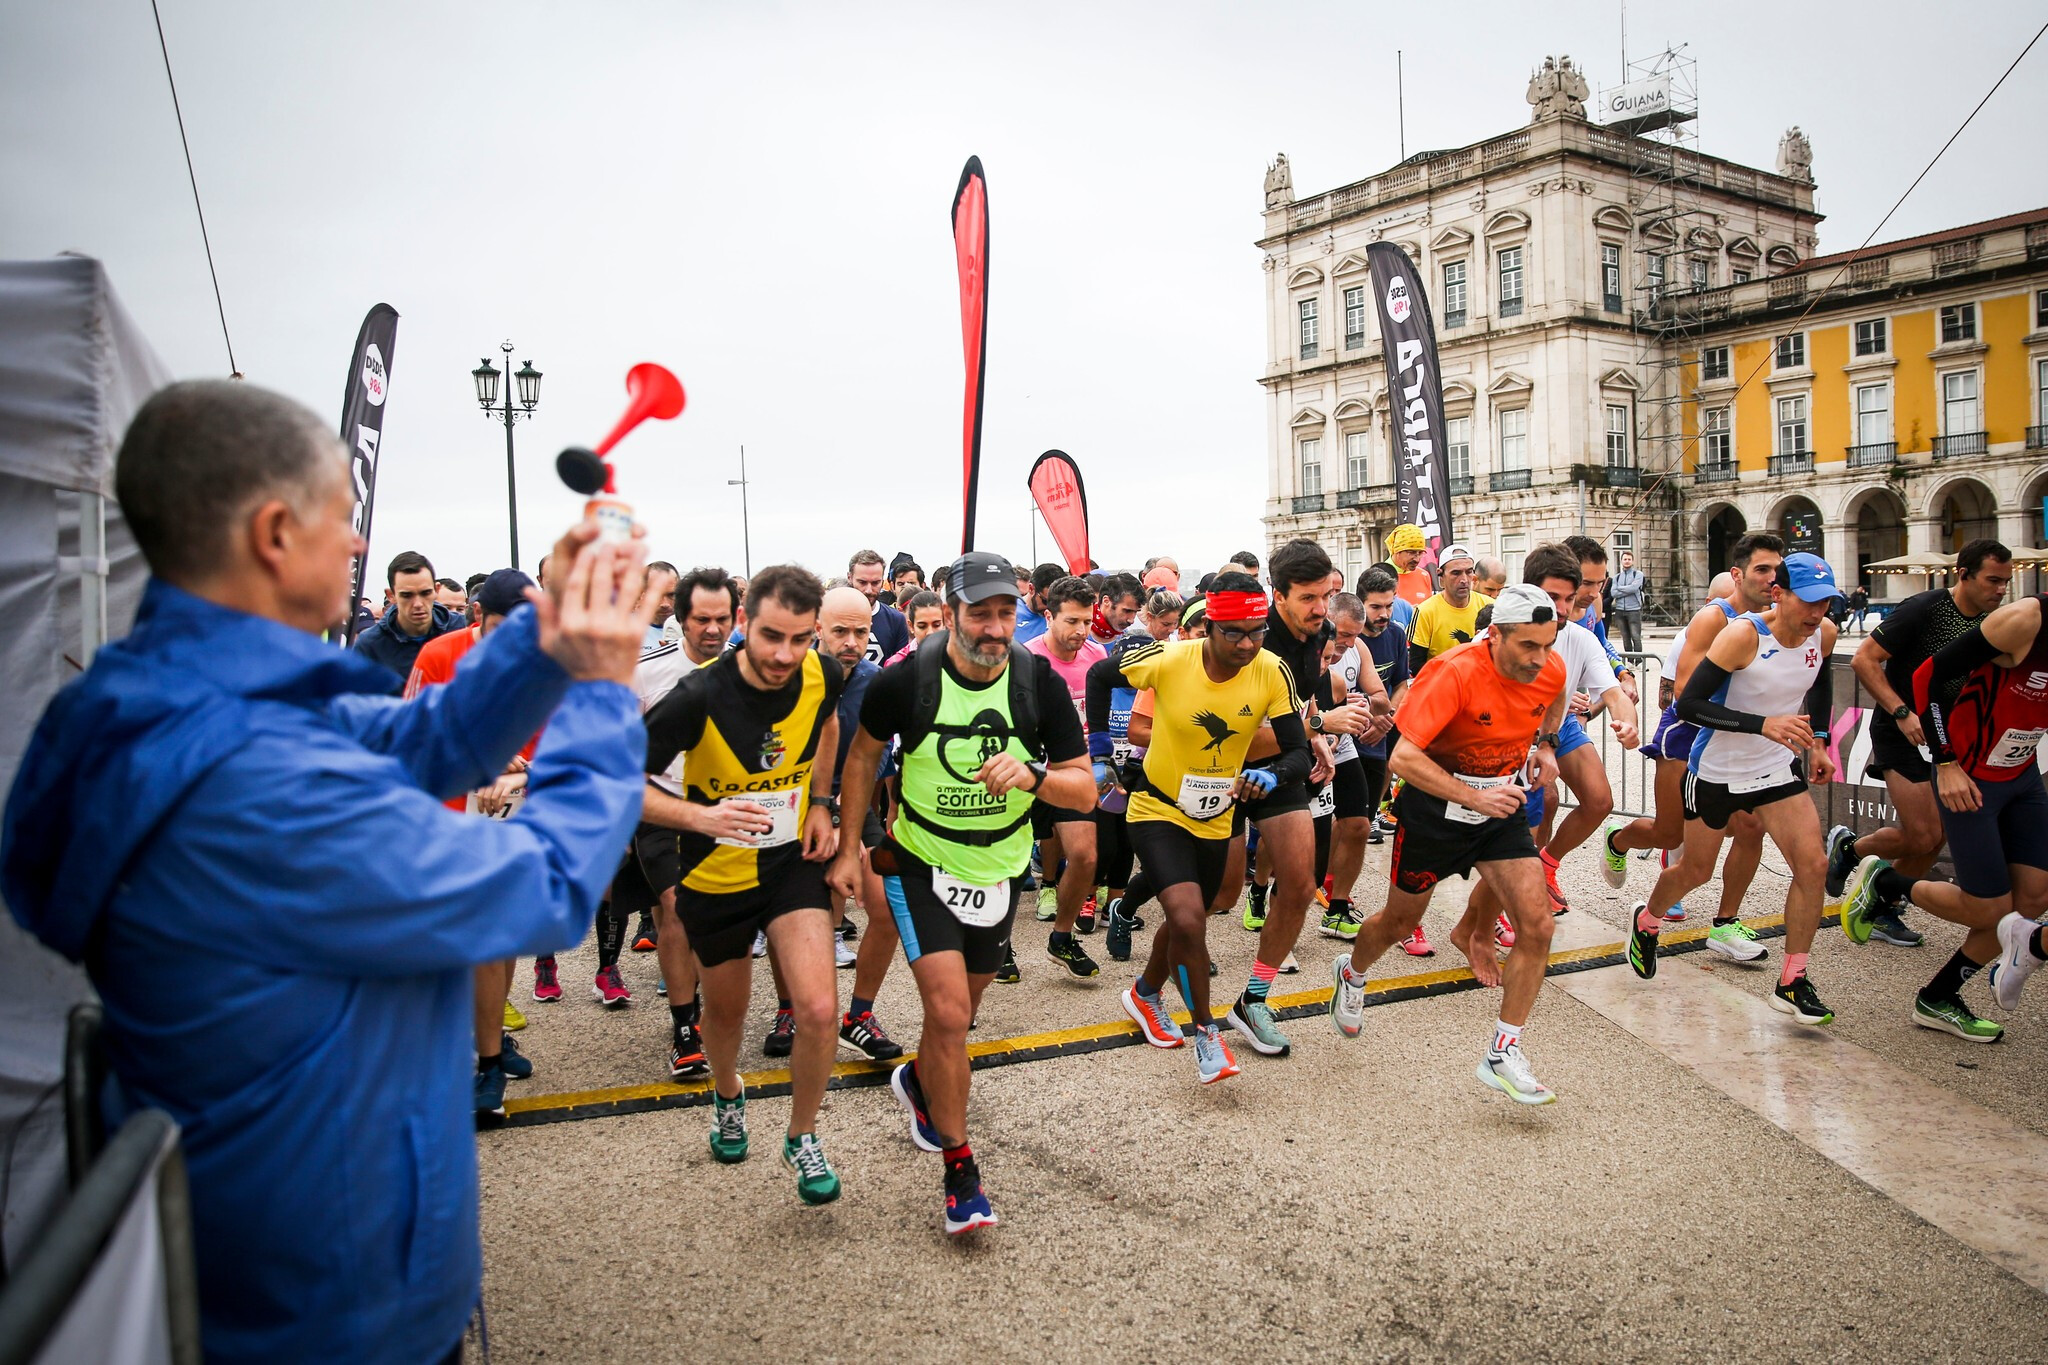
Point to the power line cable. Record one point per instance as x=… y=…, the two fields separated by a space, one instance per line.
x=164 y=47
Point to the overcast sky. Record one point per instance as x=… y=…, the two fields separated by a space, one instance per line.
x=756 y=195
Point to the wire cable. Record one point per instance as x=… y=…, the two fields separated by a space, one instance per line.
x=233 y=370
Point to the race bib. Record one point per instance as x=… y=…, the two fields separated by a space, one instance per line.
x=1205 y=797
x=784 y=808
x=1120 y=753
x=1325 y=802
x=506 y=811
x=1465 y=815
x=979 y=906
x=1776 y=777
x=1926 y=754
x=2014 y=749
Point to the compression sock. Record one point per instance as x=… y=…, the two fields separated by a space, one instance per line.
x=679 y=1017
x=1136 y=894
x=1893 y=887
x=1949 y=981
x=1505 y=1035
x=856 y=1007
x=1648 y=921
x=1262 y=980
x=1549 y=861
x=611 y=935
x=782 y=1006
x=1794 y=968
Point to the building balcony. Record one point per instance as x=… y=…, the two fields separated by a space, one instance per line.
x=1367 y=496
x=1508 y=480
x=1799 y=463
x=1461 y=485
x=1307 y=502
x=1715 y=473
x=2037 y=438
x=1875 y=454
x=1607 y=475
x=1961 y=444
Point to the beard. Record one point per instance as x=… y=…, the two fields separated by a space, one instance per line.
x=986 y=656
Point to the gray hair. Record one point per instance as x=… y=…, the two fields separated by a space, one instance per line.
x=202 y=454
x=1347 y=605
x=1492 y=570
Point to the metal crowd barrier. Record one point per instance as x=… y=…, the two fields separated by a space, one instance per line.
x=1630 y=774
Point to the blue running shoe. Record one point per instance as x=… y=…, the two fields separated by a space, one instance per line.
x=967 y=1206
x=490 y=1097
x=517 y=1066
x=903 y=1084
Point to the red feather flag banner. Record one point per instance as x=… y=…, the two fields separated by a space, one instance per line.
x=970 y=248
x=1063 y=501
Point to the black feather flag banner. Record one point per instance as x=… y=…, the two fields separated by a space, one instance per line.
x=1408 y=341
x=362 y=427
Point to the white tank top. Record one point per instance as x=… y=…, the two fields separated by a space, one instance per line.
x=1774 y=684
x=1346 y=668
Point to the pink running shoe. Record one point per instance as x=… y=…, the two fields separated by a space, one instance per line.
x=1417 y=944
x=547 y=988
x=609 y=989
x=1503 y=932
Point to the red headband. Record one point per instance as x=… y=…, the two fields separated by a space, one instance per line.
x=1237 y=606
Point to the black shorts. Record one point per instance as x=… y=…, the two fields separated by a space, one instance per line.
x=925 y=924
x=1429 y=845
x=1892 y=753
x=1712 y=803
x=871 y=830
x=1375 y=770
x=1172 y=855
x=1044 y=816
x=1287 y=797
x=2010 y=827
x=722 y=924
x=1354 y=790
x=653 y=864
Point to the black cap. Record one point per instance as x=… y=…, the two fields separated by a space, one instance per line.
x=502 y=592
x=979 y=575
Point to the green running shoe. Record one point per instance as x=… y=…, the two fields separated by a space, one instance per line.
x=816 y=1181
x=1642 y=945
x=1860 y=904
x=1343 y=924
x=1613 y=865
x=729 y=1128
x=1953 y=1016
x=1255 y=910
x=1048 y=903
x=1736 y=941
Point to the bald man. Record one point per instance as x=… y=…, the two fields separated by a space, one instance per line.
x=1492 y=577
x=844 y=623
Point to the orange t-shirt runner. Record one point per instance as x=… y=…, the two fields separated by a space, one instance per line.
x=1415 y=587
x=1471 y=720
x=435 y=664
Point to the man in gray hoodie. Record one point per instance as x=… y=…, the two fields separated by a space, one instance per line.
x=1630 y=587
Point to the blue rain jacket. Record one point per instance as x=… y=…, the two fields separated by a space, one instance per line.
x=240 y=835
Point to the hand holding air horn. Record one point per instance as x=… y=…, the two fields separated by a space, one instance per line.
x=653 y=392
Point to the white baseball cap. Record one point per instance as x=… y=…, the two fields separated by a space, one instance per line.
x=1452 y=552
x=1520 y=604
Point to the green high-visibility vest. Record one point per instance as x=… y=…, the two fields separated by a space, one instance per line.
x=948 y=819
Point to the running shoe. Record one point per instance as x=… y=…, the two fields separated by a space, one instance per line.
x=1614 y=865
x=1049 y=904
x=661 y=985
x=686 y=1053
x=1374 y=835
x=1509 y=1073
x=644 y=935
x=1676 y=913
x=2015 y=961
x=847 y=930
x=1417 y=944
x=1084 y=923
x=1558 y=904
x=608 y=988
x=1007 y=974
x=729 y=1128
x=1073 y=957
x=489 y=1094
x=1841 y=853
x=781 y=1036
x=1152 y=1018
x=1254 y=1019
x=1953 y=1016
x=1116 y=935
x=514 y=1020
x=1384 y=822
x=1213 y=1061
x=843 y=953
x=816 y=1181
x=1255 y=910
x=1343 y=924
x=517 y=1065
x=760 y=943
x=866 y=1036
x=1859 y=899
x=1888 y=926
x=1503 y=932
x=547 y=986
x=1288 y=966
x=1642 y=945
x=1322 y=899
x=1736 y=941
x=967 y=1206
x=903 y=1085
x=1797 y=998
x=1347 y=1001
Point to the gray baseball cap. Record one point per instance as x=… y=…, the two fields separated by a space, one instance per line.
x=979 y=575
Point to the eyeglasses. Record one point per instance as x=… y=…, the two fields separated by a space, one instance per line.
x=1237 y=635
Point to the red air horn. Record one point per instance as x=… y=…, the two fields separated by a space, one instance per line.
x=654 y=392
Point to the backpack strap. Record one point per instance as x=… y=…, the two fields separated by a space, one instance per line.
x=1024 y=667
x=929 y=663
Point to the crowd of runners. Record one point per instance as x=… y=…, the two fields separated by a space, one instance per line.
x=843 y=772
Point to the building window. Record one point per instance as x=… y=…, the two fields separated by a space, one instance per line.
x=1718 y=443
x=1354 y=317
x=1740 y=277
x=1873 y=414
x=1308 y=329
x=1514 y=439
x=1357 y=464
x=1714 y=363
x=2041 y=310
x=1959 y=412
x=1872 y=337
x=1610 y=277
x=1512 y=550
x=1621 y=539
x=1700 y=273
x=1510 y=281
x=1312 y=467
x=1792 y=425
x=1454 y=294
x=2041 y=391
x=1653 y=277
x=1618 y=456
x=1792 y=351
x=1458 y=440
x=1959 y=322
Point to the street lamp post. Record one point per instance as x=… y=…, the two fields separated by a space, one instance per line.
x=746 y=528
x=486 y=376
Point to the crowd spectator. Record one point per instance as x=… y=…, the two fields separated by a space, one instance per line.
x=413 y=618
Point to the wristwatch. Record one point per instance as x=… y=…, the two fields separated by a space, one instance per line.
x=830 y=803
x=1037 y=774
x=1552 y=738
x=1901 y=711
x=1315 y=721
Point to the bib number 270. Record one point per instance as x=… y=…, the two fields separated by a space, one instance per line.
x=980 y=906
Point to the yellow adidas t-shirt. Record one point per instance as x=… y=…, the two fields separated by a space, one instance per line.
x=1200 y=730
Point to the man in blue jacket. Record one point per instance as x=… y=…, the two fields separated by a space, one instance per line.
x=240 y=835
x=412 y=619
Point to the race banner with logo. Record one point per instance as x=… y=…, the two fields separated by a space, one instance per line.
x=1856 y=798
x=1408 y=340
x=970 y=249
x=1062 y=500
x=362 y=427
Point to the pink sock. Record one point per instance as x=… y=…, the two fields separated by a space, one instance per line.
x=1548 y=861
x=1648 y=921
x=1795 y=967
